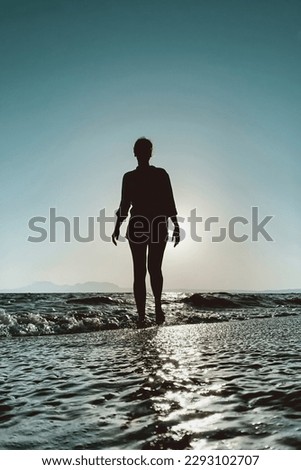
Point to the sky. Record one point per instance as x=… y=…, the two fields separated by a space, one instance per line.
x=214 y=84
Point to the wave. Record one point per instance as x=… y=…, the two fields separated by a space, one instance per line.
x=228 y=300
x=57 y=314
x=92 y=300
x=38 y=324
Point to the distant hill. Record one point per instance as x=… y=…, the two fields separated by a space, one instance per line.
x=80 y=287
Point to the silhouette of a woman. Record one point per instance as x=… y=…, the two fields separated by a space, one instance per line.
x=147 y=190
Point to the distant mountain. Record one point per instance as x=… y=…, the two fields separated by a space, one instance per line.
x=80 y=287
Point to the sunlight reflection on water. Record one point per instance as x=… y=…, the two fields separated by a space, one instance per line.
x=198 y=385
x=209 y=386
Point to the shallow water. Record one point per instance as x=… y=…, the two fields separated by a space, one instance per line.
x=224 y=385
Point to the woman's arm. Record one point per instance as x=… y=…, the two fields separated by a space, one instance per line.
x=172 y=211
x=116 y=233
x=176 y=230
x=123 y=209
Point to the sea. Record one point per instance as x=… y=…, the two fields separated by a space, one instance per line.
x=222 y=372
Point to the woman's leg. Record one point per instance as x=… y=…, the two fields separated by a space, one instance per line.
x=155 y=258
x=139 y=265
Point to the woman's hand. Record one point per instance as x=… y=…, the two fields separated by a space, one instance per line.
x=115 y=235
x=176 y=235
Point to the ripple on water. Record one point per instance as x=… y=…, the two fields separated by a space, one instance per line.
x=208 y=386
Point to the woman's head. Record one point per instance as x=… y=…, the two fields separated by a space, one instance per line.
x=143 y=148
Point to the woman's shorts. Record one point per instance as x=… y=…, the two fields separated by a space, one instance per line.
x=147 y=230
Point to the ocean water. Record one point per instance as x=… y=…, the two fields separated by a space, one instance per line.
x=54 y=314
x=223 y=372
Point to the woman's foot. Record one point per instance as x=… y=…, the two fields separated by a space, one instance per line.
x=160 y=316
x=141 y=323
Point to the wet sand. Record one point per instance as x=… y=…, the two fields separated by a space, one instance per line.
x=228 y=385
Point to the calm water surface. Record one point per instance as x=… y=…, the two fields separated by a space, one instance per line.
x=224 y=385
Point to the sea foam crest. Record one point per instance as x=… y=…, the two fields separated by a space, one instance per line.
x=6 y=321
x=37 y=324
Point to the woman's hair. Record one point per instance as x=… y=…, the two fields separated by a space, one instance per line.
x=143 y=147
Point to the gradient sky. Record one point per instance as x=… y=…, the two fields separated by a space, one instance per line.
x=214 y=84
